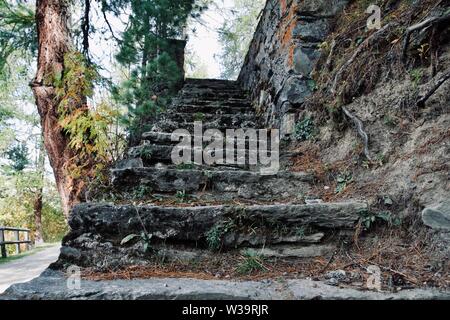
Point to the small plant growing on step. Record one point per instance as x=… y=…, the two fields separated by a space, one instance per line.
x=251 y=261
x=145 y=152
x=144 y=236
x=182 y=196
x=304 y=130
x=214 y=236
x=301 y=232
x=368 y=219
x=142 y=191
x=199 y=116
x=343 y=180
x=312 y=85
x=185 y=166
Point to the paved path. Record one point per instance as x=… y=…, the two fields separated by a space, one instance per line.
x=26 y=268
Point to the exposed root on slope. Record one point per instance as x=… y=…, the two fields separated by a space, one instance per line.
x=360 y=48
x=360 y=128
x=421 y=102
x=430 y=22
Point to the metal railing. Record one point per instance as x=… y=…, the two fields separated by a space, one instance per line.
x=17 y=242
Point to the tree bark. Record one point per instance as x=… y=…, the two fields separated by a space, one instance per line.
x=38 y=235
x=38 y=203
x=53 y=44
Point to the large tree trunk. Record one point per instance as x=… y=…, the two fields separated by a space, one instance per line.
x=38 y=204
x=53 y=44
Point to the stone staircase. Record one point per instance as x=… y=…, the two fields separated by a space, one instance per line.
x=201 y=207
x=190 y=229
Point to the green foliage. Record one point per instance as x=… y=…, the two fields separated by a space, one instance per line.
x=18 y=155
x=312 y=85
x=75 y=84
x=14 y=94
x=54 y=225
x=369 y=219
x=17 y=30
x=236 y=34
x=185 y=166
x=301 y=231
x=343 y=180
x=142 y=191
x=147 y=49
x=251 y=262
x=87 y=128
x=304 y=129
x=146 y=152
x=215 y=235
x=416 y=76
x=199 y=116
x=7 y=137
x=17 y=196
x=5 y=113
x=182 y=196
x=128 y=238
x=143 y=237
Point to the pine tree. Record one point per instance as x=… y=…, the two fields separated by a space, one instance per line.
x=17 y=30
x=148 y=48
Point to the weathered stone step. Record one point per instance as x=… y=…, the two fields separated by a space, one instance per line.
x=154 y=153
x=220 y=96
x=220 y=124
x=130 y=163
x=166 y=138
x=227 y=184
x=211 y=108
x=202 y=167
x=189 y=117
x=211 y=83
x=218 y=103
x=228 y=226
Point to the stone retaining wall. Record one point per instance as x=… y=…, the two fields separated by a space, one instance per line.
x=282 y=56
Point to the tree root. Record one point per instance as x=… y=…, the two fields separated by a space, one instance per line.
x=360 y=128
x=330 y=55
x=422 y=25
x=364 y=45
x=421 y=102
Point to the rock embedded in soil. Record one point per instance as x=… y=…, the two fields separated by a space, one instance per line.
x=437 y=217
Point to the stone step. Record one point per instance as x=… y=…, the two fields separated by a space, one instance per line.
x=211 y=108
x=220 y=96
x=220 y=123
x=222 y=226
x=189 y=117
x=130 y=163
x=208 y=101
x=154 y=153
x=164 y=138
x=211 y=83
x=203 y=167
x=222 y=184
